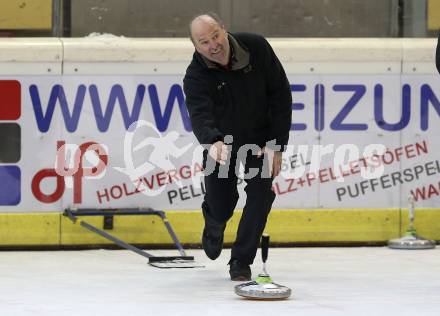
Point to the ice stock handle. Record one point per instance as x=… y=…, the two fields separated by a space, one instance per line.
x=264 y=247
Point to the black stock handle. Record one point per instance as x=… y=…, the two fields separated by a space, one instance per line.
x=264 y=247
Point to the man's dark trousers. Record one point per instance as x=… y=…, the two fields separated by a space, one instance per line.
x=221 y=198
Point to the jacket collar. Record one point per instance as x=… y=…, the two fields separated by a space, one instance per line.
x=239 y=56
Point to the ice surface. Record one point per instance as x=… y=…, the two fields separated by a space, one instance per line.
x=324 y=281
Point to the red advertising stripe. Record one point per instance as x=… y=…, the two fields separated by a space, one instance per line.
x=10 y=100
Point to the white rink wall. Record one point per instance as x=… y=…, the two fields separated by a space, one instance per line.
x=171 y=56
x=348 y=94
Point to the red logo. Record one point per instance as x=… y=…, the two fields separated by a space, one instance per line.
x=62 y=170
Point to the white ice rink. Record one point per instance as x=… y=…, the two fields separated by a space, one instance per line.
x=324 y=281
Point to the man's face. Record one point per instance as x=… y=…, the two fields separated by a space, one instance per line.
x=210 y=40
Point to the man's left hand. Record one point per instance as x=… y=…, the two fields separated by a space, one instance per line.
x=274 y=158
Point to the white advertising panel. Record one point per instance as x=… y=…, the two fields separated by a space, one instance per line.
x=79 y=144
x=421 y=174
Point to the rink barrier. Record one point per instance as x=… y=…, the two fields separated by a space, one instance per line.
x=308 y=226
x=111 y=55
x=129 y=56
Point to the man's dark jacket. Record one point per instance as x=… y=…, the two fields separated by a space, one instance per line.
x=437 y=54
x=252 y=101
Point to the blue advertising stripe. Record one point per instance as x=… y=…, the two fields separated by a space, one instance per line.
x=10 y=185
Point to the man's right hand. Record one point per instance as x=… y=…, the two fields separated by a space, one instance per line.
x=219 y=152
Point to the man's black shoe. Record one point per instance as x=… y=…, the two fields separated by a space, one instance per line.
x=212 y=245
x=239 y=271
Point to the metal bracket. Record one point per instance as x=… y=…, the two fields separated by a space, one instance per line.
x=108 y=222
x=182 y=261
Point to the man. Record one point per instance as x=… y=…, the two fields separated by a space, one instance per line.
x=437 y=54
x=238 y=98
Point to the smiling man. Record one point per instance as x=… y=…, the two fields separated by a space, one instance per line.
x=239 y=101
x=210 y=39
